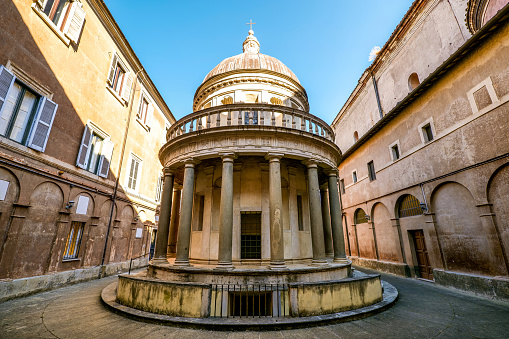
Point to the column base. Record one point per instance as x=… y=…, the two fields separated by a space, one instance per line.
x=319 y=262
x=342 y=261
x=329 y=255
x=160 y=261
x=182 y=263
x=278 y=265
x=224 y=266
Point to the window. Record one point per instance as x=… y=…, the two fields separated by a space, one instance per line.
x=251 y=235
x=371 y=171
x=72 y=245
x=409 y=206
x=394 y=148
x=25 y=116
x=360 y=216
x=67 y=17
x=354 y=176
x=145 y=112
x=95 y=151
x=427 y=132
x=133 y=174
x=342 y=186
x=355 y=136
x=299 y=213
x=199 y=200
x=251 y=115
x=413 y=81
x=119 y=78
x=159 y=187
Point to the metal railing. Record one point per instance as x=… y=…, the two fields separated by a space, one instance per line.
x=251 y=115
x=131 y=261
x=252 y=300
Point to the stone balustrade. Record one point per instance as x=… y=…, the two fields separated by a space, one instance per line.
x=251 y=115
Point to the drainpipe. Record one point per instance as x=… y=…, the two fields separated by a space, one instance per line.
x=115 y=189
x=375 y=86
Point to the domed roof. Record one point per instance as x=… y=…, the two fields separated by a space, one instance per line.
x=251 y=59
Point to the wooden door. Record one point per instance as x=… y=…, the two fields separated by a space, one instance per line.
x=425 y=270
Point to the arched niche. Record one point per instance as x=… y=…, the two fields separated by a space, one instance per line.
x=387 y=239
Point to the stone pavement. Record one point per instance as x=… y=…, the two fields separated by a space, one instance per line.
x=423 y=310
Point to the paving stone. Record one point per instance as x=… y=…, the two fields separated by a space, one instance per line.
x=423 y=310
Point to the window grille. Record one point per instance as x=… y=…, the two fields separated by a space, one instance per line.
x=354 y=176
x=409 y=206
x=251 y=235
x=427 y=132
x=72 y=245
x=256 y=300
x=395 y=152
x=360 y=216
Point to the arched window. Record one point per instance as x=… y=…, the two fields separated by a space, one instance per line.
x=360 y=216
x=409 y=206
x=227 y=100
x=355 y=136
x=276 y=101
x=413 y=81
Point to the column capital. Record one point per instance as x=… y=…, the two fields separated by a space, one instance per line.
x=168 y=171
x=177 y=187
x=311 y=163
x=191 y=162
x=331 y=172
x=273 y=156
x=228 y=156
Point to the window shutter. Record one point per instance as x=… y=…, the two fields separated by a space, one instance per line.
x=74 y=26
x=41 y=127
x=139 y=114
x=104 y=162
x=86 y=140
x=127 y=88
x=40 y=3
x=150 y=115
x=113 y=67
x=6 y=81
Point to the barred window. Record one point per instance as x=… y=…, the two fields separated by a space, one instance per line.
x=251 y=235
x=360 y=216
x=409 y=206
x=72 y=245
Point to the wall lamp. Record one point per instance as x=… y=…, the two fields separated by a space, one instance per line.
x=424 y=207
x=70 y=204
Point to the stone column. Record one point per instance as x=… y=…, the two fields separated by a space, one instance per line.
x=186 y=213
x=174 y=221
x=327 y=232
x=226 y=213
x=338 y=237
x=277 y=249
x=315 y=213
x=164 y=219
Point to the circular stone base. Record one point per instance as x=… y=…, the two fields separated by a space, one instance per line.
x=108 y=296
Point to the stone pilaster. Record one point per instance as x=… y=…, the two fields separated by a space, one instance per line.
x=327 y=232
x=174 y=221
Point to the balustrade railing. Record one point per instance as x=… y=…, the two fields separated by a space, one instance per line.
x=251 y=115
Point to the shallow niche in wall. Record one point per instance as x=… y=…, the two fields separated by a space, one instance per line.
x=413 y=81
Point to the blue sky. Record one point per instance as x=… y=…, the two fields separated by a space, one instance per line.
x=326 y=43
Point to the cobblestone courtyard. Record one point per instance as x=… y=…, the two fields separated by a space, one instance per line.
x=423 y=310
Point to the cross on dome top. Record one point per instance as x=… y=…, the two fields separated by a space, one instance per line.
x=251 y=44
